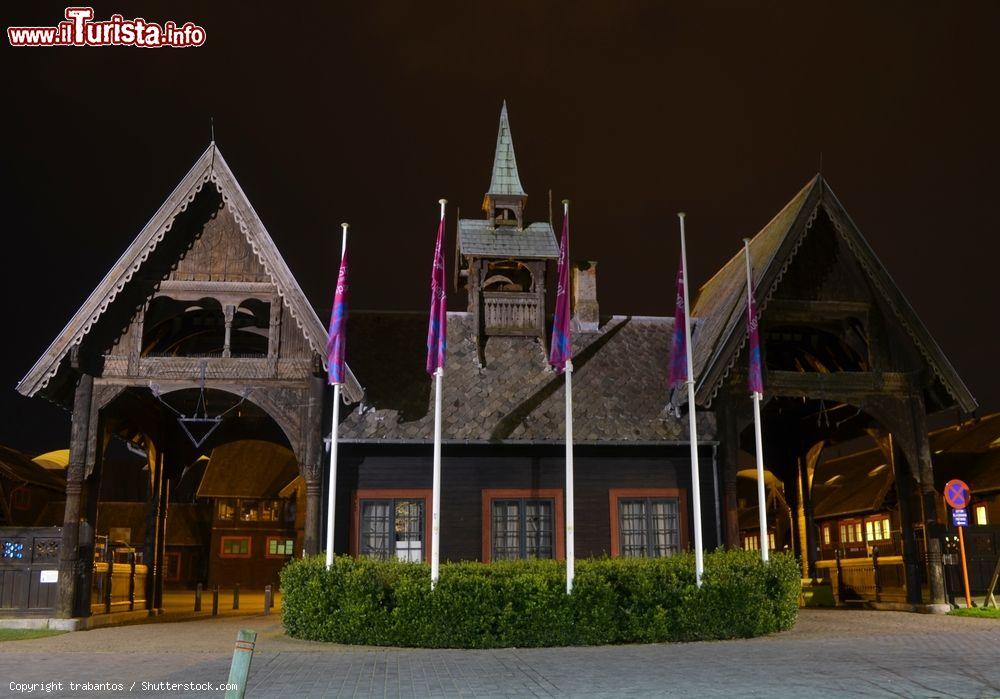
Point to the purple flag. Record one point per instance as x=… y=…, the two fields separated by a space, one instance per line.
x=678 y=351
x=338 y=327
x=755 y=381
x=562 y=350
x=437 y=327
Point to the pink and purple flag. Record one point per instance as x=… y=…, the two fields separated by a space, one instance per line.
x=755 y=380
x=437 y=327
x=338 y=327
x=678 y=373
x=561 y=350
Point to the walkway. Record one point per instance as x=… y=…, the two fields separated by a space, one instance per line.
x=829 y=653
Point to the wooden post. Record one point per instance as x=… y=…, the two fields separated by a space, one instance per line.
x=267 y=600
x=236 y=596
x=70 y=544
x=131 y=582
x=840 y=576
x=197 y=598
x=109 y=580
x=240 y=668
x=991 y=588
x=215 y=601
x=312 y=517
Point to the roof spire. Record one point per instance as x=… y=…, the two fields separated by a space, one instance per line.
x=505 y=180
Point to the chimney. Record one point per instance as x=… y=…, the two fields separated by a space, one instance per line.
x=584 y=289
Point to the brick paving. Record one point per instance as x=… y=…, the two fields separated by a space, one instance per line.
x=830 y=653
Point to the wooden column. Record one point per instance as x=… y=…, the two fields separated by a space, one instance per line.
x=69 y=550
x=311 y=471
x=924 y=469
x=728 y=455
x=151 y=544
x=807 y=469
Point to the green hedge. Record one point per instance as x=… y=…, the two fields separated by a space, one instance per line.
x=524 y=603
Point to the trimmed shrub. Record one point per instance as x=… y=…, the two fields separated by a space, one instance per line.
x=524 y=603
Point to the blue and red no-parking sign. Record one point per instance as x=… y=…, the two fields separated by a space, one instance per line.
x=957 y=493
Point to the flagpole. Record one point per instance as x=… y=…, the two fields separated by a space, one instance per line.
x=570 y=515
x=761 y=493
x=699 y=554
x=331 y=504
x=436 y=492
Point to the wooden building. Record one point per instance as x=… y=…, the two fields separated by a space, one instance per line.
x=199 y=337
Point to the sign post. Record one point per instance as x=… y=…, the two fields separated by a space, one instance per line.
x=957 y=494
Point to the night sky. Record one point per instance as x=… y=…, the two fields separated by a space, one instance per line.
x=370 y=112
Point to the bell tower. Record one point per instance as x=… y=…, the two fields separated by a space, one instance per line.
x=501 y=261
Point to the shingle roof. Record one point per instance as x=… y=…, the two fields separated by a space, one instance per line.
x=505 y=180
x=851 y=484
x=619 y=385
x=478 y=237
x=248 y=468
x=17 y=467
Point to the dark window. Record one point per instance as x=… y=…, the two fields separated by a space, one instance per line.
x=235 y=547
x=522 y=529
x=392 y=528
x=172 y=566
x=648 y=527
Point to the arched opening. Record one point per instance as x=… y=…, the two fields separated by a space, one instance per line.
x=840 y=495
x=508 y=275
x=174 y=328
x=226 y=511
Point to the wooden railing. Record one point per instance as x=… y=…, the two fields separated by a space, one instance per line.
x=511 y=313
x=118 y=587
x=876 y=578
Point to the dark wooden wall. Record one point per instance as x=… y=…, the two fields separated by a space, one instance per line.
x=467 y=470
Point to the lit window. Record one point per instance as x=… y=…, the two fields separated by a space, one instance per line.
x=392 y=528
x=751 y=542
x=227 y=508
x=270 y=510
x=249 y=510
x=857 y=532
x=277 y=546
x=648 y=527
x=770 y=540
x=981 y=517
x=826 y=534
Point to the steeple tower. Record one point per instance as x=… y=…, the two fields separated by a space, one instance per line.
x=501 y=261
x=504 y=201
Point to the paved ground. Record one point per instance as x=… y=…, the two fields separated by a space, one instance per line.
x=830 y=653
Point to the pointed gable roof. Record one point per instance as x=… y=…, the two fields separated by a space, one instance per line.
x=210 y=167
x=505 y=180
x=720 y=310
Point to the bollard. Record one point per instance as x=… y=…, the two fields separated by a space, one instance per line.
x=236 y=596
x=215 y=601
x=267 y=600
x=197 y=598
x=240 y=667
x=877 y=579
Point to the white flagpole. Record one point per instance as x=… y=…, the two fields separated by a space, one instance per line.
x=331 y=504
x=570 y=516
x=761 y=491
x=436 y=493
x=699 y=554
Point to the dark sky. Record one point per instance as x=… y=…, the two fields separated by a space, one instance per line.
x=369 y=112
